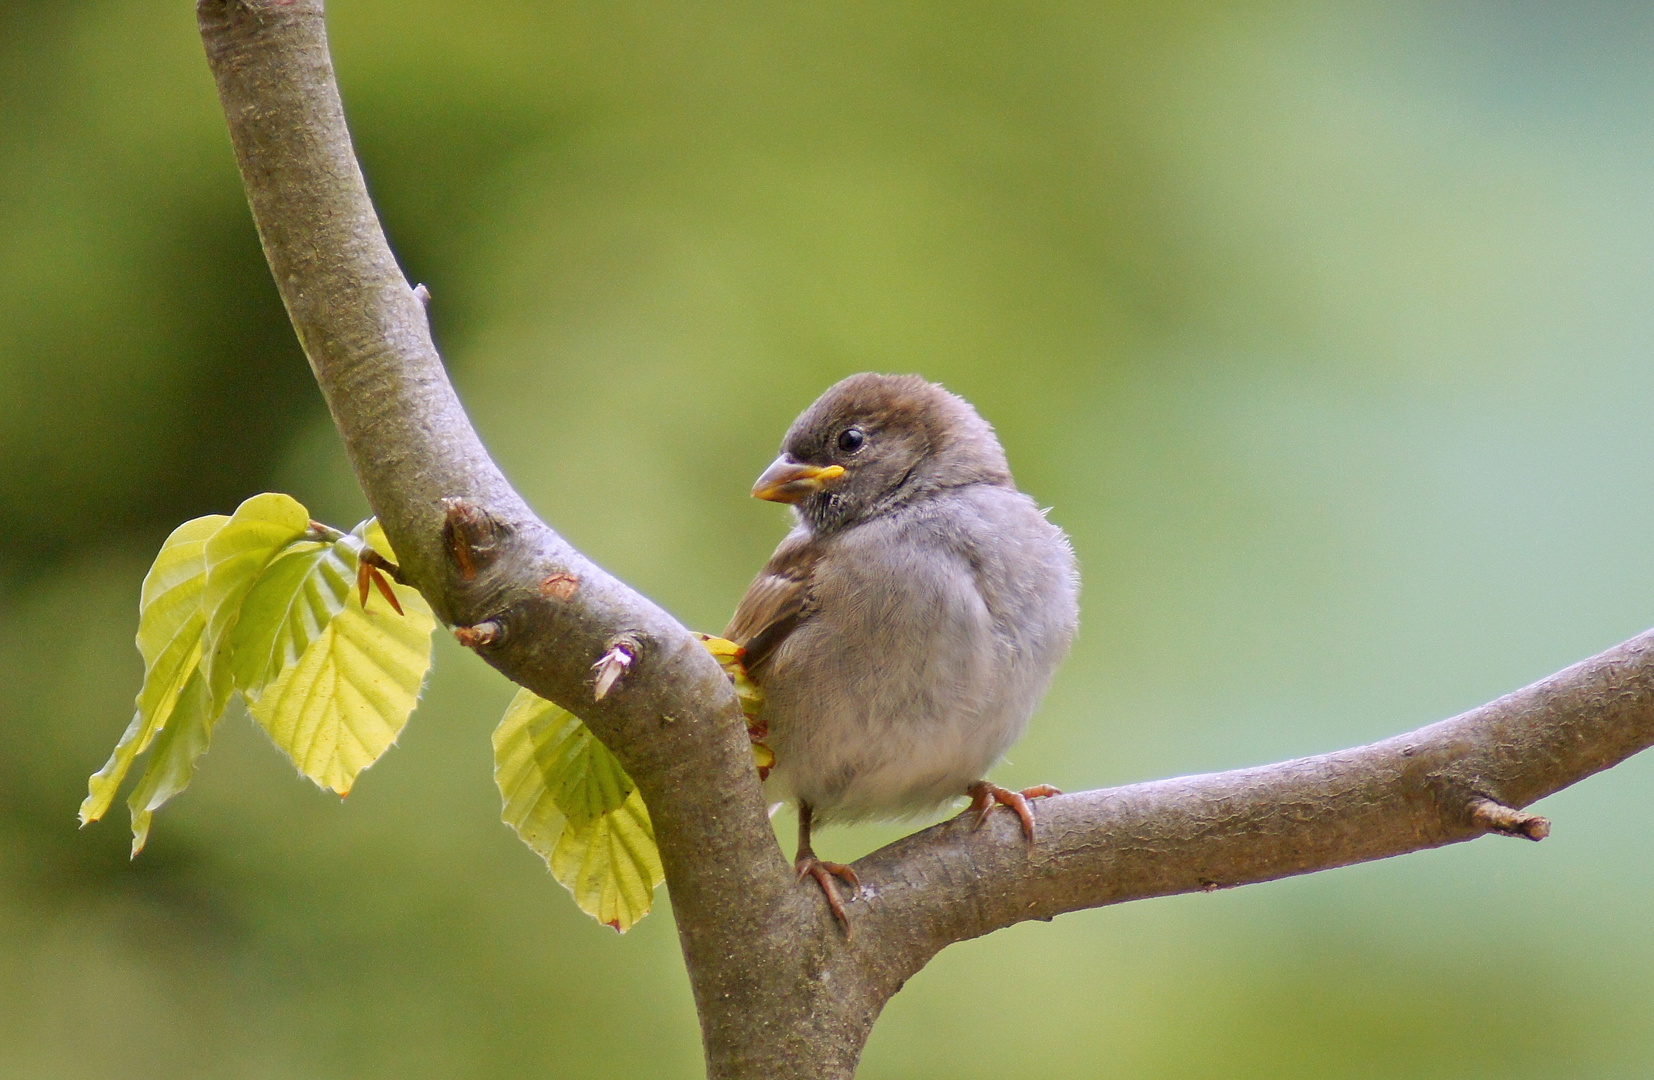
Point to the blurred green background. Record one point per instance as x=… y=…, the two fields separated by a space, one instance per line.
x=1324 y=327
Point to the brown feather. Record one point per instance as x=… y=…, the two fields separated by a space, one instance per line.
x=777 y=600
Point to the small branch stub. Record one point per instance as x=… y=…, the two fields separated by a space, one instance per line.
x=472 y=536
x=374 y=559
x=610 y=667
x=1497 y=817
x=475 y=637
x=422 y=294
x=559 y=586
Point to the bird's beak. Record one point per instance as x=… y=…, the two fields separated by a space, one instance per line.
x=787 y=481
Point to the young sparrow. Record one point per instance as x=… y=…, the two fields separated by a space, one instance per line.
x=905 y=629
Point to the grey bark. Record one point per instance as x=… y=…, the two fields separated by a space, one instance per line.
x=780 y=990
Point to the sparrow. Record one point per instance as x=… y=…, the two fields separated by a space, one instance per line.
x=907 y=626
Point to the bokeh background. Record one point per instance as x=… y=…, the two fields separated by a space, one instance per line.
x=1325 y=327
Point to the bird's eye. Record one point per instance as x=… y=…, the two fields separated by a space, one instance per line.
x=850 y=440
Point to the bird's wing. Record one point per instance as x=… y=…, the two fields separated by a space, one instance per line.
x=776 y=601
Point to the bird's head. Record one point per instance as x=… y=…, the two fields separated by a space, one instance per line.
x=872 y=441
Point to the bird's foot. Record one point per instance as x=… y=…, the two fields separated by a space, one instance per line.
x=824 y=872
x=985 y=796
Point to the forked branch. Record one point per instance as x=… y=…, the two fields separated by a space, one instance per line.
x=781 y=991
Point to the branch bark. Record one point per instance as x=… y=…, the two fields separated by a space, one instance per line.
x=468 y=541
x=780 y=991
x=1442 y=784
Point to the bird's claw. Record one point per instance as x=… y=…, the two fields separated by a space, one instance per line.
x=986 y=796
x=824 y=872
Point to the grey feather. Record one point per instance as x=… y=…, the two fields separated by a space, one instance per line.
x=906 y=629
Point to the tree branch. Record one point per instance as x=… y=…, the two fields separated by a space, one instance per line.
x=780 y=991
x=1442 y=784
x=466 y=539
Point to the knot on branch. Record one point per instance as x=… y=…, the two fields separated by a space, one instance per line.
x=1499 y=818
x=614 y=663
x=473 y=536
x=560 y=585
x=475 y=637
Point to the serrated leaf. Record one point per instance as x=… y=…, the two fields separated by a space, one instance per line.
x=232 y=557
x=611 y=864
x=345 y=700
x=260 y=529
x=176 y=749
x=255 y=603
x=574 y=770
x=570 y=801
x=170 y=624
x=288 y=608
x=529 y=722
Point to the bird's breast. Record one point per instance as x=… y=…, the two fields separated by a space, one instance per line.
x=930 y=637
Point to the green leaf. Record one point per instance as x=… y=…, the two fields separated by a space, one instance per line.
x=582 y=777
x=255 y=603
x=236 y=555
x=345 y=699
x=530 y=723
x=233 y=557
x=569 y=800
x=373 y=534
x=179 y=745
x=288 y=608
x=729 y=656
x=170 y=623
x=611 y=864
